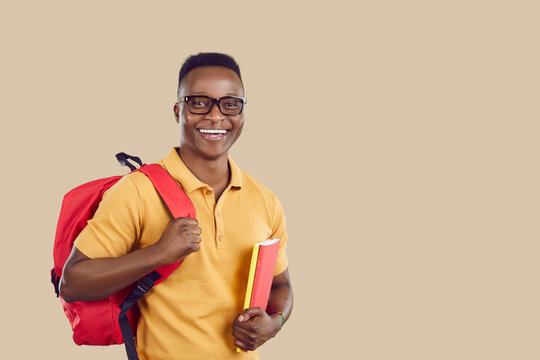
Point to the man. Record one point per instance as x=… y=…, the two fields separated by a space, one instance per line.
x=197 y=312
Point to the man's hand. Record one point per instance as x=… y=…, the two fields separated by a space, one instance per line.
x=180 y=238
x=253 y=327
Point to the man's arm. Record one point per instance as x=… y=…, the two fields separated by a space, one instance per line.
x=86 y=279
x=253 y=327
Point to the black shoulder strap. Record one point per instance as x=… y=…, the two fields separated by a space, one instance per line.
x=143 y=286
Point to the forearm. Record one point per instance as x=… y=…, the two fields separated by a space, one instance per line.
x=86 y=279
x=95 y=279
x=281 y=300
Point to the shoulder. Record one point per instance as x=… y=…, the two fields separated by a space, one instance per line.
x=254 y=188
x=259 y=194
x=131 y=186
x=138 y=180
x=253 y=184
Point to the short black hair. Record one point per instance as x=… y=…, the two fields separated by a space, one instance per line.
x=208 y=59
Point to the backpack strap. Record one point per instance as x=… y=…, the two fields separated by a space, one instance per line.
x=179 y=205
x=177 y=201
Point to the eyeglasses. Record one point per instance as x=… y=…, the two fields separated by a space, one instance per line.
x=200 y=104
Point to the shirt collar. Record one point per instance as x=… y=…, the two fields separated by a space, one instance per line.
x=236 y=174
x=180 y=172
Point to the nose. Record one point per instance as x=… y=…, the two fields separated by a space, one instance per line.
x=215 y=115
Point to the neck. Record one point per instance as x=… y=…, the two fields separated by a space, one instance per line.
x=214 y=172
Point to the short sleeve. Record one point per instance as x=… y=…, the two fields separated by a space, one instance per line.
x=279 y=231
x=115 y=227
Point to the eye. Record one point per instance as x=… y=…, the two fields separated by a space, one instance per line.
x=199 y=102
x=231 y=103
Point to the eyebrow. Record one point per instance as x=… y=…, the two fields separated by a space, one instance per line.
x=205 y=94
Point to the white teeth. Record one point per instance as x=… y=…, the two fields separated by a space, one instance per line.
x=204 y=131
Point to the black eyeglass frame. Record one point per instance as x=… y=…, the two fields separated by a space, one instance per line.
x=185 y=99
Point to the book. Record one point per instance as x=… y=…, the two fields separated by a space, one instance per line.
x=261 y=274
x=264 y=273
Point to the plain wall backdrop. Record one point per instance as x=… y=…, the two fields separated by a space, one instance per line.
x=400 y=136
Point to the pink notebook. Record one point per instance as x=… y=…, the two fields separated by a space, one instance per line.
x=264 y=273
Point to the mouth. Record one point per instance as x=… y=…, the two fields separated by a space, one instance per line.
x=214 y=134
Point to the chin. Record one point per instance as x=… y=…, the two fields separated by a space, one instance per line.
x=213 y=155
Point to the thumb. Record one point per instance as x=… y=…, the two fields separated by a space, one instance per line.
x=250 y=313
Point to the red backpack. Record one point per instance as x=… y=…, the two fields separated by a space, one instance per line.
x=112 y=320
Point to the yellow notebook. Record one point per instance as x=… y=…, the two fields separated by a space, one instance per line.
x=251 y=277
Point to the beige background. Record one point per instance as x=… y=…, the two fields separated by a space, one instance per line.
x=401 y=137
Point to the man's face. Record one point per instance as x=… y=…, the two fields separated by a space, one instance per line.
x=215 y=82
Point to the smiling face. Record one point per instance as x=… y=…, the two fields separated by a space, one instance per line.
x=211 y=135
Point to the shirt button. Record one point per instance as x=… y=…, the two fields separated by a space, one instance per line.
x=208 y=192
x=220 y=237
x=218 y=213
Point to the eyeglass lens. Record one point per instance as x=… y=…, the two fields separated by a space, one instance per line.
x=203 y=105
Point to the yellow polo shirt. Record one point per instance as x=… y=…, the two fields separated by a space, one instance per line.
x=190 y=315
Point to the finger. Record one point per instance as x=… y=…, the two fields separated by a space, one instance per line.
x=242 y=333
x=190 y=229
x=192 y=221
x=245 y=337
x=250 y=313
x=187 y=221
x=252 y=326
x=196 y=230
x=195 y=247
x=240 y=344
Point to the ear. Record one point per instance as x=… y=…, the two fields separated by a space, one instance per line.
x=176 y=110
